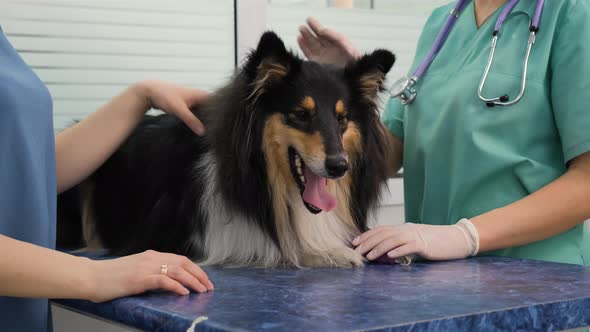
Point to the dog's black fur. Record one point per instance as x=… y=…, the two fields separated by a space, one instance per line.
x=149 y=194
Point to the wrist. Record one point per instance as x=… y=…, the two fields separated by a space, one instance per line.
x=471 y=235
x=88 y=286
x=143 y=92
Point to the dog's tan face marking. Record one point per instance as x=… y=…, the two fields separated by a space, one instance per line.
x=275 y=150
x=352 y=140
x=308 y=104
x=340 y=110
x=304 y=111
x=275 y=147
x=309 y=146
x=278 y=137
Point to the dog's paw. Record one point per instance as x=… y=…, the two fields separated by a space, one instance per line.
x=347 y=257
x=341 y=257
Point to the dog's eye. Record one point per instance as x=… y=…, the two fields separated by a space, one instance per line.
x=341 y=118
x=301 y=116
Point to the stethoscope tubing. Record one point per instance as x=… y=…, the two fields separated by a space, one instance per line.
x=408 y=94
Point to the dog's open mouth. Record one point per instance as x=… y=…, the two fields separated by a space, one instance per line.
x=313 y=188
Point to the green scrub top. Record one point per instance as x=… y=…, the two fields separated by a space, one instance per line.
x=461 y=158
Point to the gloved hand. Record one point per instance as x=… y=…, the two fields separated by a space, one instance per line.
x=431 y=242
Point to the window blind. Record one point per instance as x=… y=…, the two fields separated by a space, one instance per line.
x=86 y=51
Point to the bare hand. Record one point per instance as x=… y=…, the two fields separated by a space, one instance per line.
x=176 y=100
x=139 y=273
x=324 y=45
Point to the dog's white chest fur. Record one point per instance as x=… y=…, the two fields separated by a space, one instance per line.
x=231 y=239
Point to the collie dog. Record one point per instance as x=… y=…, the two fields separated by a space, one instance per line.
x=293 y=162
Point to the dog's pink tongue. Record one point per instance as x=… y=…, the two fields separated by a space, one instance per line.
x=316 y=191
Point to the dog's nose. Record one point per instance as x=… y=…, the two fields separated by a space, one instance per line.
x=336 y=165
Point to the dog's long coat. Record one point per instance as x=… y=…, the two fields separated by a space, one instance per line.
x=293 y=162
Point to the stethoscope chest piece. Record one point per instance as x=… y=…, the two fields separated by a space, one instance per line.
x=404 y=90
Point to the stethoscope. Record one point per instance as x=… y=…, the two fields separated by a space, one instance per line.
x=404 y=88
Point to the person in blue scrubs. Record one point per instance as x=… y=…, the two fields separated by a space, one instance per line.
x=510 y=180
x=35 y=166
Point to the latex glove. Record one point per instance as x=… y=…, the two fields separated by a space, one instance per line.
x=325 y=45
x=431 y=242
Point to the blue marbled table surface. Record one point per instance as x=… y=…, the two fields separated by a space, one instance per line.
x=478 y=294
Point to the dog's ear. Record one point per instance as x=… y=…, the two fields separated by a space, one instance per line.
x=367 y=74
x=270 y=63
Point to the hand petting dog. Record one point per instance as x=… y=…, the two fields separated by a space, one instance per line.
x=175 y=100
x=324 y=45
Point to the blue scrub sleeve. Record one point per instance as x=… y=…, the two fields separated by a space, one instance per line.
x=570 y=81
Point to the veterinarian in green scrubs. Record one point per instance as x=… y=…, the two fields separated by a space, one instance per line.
x=517 y=177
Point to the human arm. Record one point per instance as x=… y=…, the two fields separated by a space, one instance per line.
x=555 y=208
x=37 y=272
x=82 y=148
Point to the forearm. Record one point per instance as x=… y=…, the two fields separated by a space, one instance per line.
x=558 y=207
x=82 y=148
x=33 y=271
